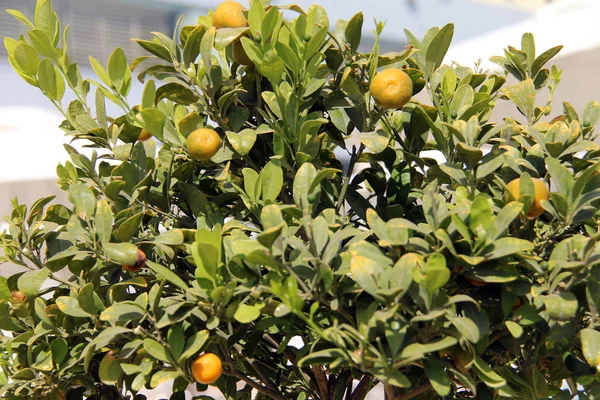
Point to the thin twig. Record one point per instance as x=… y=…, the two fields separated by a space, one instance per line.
x=256 y=385
x=418 y=391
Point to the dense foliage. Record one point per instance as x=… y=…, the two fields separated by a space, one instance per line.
x=432 y=278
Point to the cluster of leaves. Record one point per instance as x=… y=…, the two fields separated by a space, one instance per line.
x=408 y=272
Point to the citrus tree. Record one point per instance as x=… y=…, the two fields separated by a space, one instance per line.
x=273 y=184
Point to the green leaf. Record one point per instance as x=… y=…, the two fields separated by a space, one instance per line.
x=30 y=282
x=176 y=340
x=272 y=67
x=60 y=349
x=225 y=36
x=289 y=57
x=154 y=121
x=256 y=15
x=271 y=180
x=190 y=123
x=437 y=377
x=418 y=350
x=242 y=142
x=167 y=274
x=128 y=229
x=158 y=351
x=193 y=345
x=21 y=17
x=26 y=58
x=515 y=329
x=122 y=312
x=321 y=357
x=45 y=18
x=109 y=370
x=437 y=49
x=206 y=46
x=50 y=80
x=504 y=218
x=5 y=292
x=528 y=47
x=270 y=22
x=103 y=220
x=590 y=346
x=121 y=253
x=546 y=56
x=41 y=42
x=591 y=115
x=353 y=32
x=433 y=274
x=366 y=273
x=83 y=199
x=562 y=307
x=376 y=141
x=173 y=237
x=302 y=181
x=88 y=300
x=467 y=328
x=481 y=214
x=70 y=306
x=163 y=376
x=523 y=94
x=118 y=70
x=247 y=313
x=506 y=246
x=462 y=100
x=488 y=375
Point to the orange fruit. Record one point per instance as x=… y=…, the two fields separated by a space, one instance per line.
x=140 y=262
x=229 y=15
x=239 y=54
x=207 y=368
x=144 y=135
x=202 y=144
x=17 y=299
x=391 y=88
x=541 y=193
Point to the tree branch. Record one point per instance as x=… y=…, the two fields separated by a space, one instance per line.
x=418 y=391
x=363 y=387
x=321 y=379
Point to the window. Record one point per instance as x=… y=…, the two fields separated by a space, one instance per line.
x=97 y=27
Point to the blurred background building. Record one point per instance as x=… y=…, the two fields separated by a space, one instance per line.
x=31 y=143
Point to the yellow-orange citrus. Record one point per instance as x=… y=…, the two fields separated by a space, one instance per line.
x=17 y=299
x=202 y=144
x=391 y=88
x=140 y=262
x=239 y=54
x=229 y=15
x=144 y=135
x=541 y=193
x=207 y=368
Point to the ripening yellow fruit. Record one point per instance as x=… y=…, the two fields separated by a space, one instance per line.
x=541 y=193
x=140 y=262
x=202 y=144
x=391 y=88
x=229 y=15
x=239 y=54
x=144 y=135
x=207 y=368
